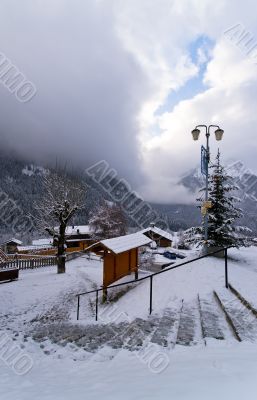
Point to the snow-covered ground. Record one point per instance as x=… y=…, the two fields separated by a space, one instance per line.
x=38 y=291
x=88 y=359
x=211 y=373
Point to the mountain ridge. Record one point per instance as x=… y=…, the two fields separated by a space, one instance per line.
x=21 y=181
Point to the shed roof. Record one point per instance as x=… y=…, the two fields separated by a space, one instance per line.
x=124 y=243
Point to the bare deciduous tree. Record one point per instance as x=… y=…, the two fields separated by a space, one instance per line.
x=108 y=221
x=63 y=197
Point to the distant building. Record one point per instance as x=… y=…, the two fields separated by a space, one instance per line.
x=10 y=246
x=159 y=236
x=43 y=242
x=42 y=246
x=79 y=237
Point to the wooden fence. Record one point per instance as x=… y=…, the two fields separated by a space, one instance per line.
x=30 y=263
x=37 y=262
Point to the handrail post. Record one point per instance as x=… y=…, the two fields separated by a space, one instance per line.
x=78 y=308
x=105 y=294
x=151 y=294
x=96 y=306
x=226 y=268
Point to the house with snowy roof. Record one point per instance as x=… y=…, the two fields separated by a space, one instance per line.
x=159 y=236
x=40 y=246
x=78 y=237
x=10 y=246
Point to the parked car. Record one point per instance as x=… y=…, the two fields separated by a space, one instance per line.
x=180 y=256
x=169 y=255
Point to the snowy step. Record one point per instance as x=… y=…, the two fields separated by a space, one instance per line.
x=242 y=319
x=97 y=336
x=123 y=335
x=138 y=333
x=211 y=318
x=167 y=326
x=246 y=302
x=189 y=330
x=58 y=332
x=182 y=322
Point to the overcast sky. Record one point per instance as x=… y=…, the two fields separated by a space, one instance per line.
x=127 y=80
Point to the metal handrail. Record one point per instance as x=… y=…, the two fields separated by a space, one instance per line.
x=225 y=250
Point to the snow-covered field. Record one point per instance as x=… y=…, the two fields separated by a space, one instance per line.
x=127 y=354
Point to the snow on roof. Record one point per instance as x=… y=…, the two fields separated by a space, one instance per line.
x=31 y=247
x=13 y=240
x=123 y=243
x=78 y=240
x=43 y=241
x=77 y=230
x=157 y=231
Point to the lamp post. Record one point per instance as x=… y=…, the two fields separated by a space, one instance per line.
x=218 y=134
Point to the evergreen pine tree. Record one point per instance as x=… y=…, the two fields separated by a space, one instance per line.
x=222 y=216
x=222 y=230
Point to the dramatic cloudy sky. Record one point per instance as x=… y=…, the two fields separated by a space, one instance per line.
x=127 y=80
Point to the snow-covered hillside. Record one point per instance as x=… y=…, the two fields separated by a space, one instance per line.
x=185 y=350
x=32 y=169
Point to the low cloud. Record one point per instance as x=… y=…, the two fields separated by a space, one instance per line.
x=104 y=70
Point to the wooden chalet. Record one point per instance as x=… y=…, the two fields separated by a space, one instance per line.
x=11 y=246
x=159 y=236
x=79 y=237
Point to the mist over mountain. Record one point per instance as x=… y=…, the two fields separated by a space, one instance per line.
x=21 y=180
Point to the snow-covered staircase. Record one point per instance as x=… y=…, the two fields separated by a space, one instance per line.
x=166 y=327
x=189 y=324
x=220 y=315
x=211 y=318
x=241 y=319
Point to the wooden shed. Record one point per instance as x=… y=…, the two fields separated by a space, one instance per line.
x=120 y=256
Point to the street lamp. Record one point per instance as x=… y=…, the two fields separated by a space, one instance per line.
x=218 y=134
x=196 y=133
